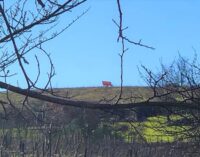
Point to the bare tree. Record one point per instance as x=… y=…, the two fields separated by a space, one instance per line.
x=175 y=89
x=20 y=36
x=25 y=27
x=178 y=84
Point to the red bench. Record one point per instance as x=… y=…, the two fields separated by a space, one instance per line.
x=107 y=84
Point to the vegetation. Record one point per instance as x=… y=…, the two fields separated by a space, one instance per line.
x=120 y=121
x=78 y=126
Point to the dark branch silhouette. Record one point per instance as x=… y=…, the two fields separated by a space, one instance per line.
x=41 y=3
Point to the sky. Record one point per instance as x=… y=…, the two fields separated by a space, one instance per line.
x=88 y=52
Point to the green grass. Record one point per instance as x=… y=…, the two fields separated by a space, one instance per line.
x=154 y=129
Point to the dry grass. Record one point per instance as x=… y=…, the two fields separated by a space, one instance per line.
x=100 y=93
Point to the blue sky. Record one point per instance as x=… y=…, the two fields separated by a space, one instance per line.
x=87 y=52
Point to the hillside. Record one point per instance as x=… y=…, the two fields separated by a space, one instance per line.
x=130 y=94
x=58 y=112
x=120 y=123
x=101 y=93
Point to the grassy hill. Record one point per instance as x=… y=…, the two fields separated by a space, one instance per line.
x=130 y=94
x=58 y=113
x=99 y=93
x=151 y=123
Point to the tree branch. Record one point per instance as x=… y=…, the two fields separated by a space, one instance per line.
x=94 y=105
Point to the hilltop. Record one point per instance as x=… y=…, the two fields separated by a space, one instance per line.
x=130 y=94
